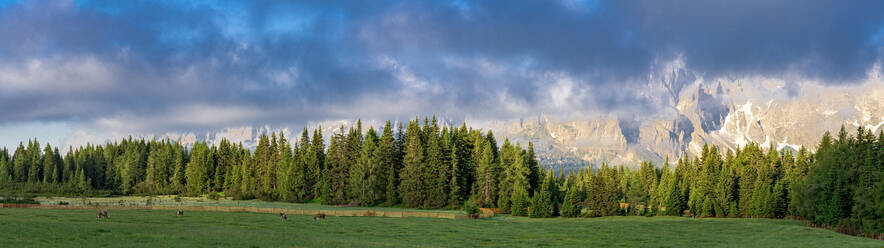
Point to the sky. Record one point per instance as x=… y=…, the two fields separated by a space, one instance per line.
x=89 y=70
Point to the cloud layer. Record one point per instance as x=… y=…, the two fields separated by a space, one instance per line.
x=161 y=66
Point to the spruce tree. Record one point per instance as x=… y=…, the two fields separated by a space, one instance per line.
x=520 y=199
x=224 y=163
x=48 y=164
x=197 y=169
x=669 y=192
x=796 y=176
x=316 y=162
x=157 y=169
x=5 y=170
x=178 y=181
x=485 y=176
x=364 y=186
x=571 y=205
x=508 y=156
x=533 y=168
x=20 y=164
x=542 y=204
x=456 y=181
x=299 y=171
x=436 y=169
x=336 y=175
x=35 y=163
x=385 y=157
x=410 y=188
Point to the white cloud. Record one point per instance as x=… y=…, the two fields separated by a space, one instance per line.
x=56 y=75
x=195 y=116
x=286 y=78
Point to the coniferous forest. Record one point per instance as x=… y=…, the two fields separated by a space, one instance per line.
x=421 y=165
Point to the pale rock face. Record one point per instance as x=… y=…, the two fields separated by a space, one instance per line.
x=726 y=113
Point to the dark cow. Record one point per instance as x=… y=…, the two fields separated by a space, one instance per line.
x=319 y=216
x=102 y=214
x=474 y=216
x=283 y=217
x=180 y=212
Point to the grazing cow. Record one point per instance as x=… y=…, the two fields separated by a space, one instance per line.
x=180 y=212
x=474 y=216
x=102 y=214
x=283 y=217
x=319 y=216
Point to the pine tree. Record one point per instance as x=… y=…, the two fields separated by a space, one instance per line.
x=486 y=183
x=520 y=199
x=20 y=164
x=364 y=187
x=82 y=182
x=353 y=152
x=49 y=164
x=157 y=168
x=410 y=187
x=542 y=204
x=456 y=182
x=669 y=194
x=225 y=162
x=5 y=169
x=533 y=168
x=508 y=156
x=385 y=157
x=300 y=189
x=178 y=181
x=334 y=183
x=796 y=176
x=571 y=206
x=436 y=168
x=247 y=172
x=316 y=162
x=35 y=163
x=197 y=169
x=285 y=171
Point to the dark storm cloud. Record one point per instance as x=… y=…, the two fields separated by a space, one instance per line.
x=829 y=40
x=313 y=60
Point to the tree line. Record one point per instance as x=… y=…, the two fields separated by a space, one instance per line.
x=423 y=165
x=419 y=165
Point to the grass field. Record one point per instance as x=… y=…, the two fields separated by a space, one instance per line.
x=169 y=200
x=145 y=228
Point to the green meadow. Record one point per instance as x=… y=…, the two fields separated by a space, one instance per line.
x=147 y=228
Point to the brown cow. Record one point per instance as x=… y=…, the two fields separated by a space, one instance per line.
x=180 y=212
x=283 y=217
x=102 y=214
x=319 y=216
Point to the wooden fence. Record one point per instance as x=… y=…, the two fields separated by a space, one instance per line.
x=394 y=214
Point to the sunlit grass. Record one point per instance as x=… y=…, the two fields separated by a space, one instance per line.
x=146 y=228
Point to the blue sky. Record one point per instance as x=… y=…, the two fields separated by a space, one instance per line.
x=106 y=68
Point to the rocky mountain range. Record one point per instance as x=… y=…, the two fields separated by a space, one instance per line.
x=728 y=113
x=690 y=111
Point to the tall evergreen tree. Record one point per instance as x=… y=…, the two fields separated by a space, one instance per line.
x=197 y=169
x=410 y=187
x=364 y=186
x=316 y=162
x=5 y=168
x=571 y=206
x=335 y=176
x=486 y=193
x=385 y=155
x=436 y=169
x=542 y=204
